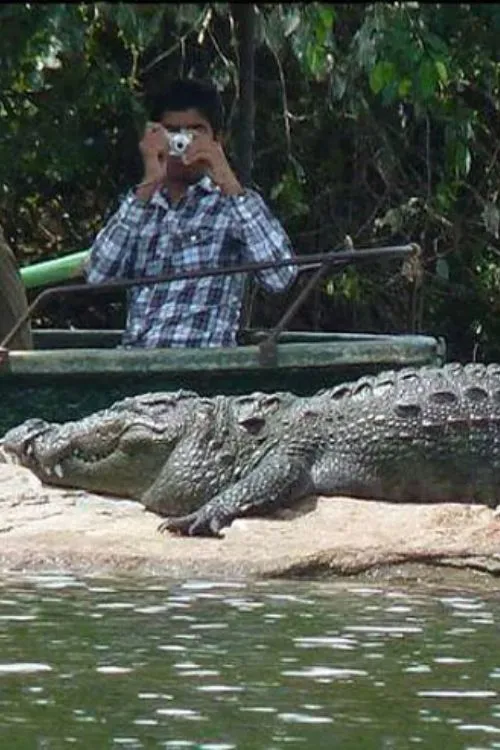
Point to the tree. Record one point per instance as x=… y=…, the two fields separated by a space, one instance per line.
x=380 y=121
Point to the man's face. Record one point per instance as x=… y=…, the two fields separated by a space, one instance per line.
x=191 y=120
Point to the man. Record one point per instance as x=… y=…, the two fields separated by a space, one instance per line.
x=13 y=302
x=189 y=212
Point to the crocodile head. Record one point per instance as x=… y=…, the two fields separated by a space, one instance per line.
x=123 y=449
x=116 y=451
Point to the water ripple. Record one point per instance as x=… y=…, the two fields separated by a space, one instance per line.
x=24 y=668
x=315 y=672
x=218 y=665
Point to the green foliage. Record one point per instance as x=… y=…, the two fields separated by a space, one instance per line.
x=380 y=121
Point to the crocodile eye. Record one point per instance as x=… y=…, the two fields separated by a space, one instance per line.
x=253 y=424
x=408 y=376
x=339 y=392
x=273 y=401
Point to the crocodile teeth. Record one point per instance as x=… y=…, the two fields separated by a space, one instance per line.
x=29 y=449
x=48 y=470
x=58 y=471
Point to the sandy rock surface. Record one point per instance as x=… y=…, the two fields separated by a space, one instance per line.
x=45 y=529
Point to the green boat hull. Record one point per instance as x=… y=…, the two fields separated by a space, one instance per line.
x=73 y=373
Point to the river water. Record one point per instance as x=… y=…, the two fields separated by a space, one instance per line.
x=147 y=663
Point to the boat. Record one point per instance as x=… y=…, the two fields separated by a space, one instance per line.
x=73 y=372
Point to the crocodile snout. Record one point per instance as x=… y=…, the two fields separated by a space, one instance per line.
x=19 y=443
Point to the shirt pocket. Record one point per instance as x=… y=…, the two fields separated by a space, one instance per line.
x=197 y=248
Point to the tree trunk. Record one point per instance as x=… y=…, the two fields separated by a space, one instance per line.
x=13 y=302
x=244 y=17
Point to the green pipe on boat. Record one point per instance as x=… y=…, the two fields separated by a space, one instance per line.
x=53 y=271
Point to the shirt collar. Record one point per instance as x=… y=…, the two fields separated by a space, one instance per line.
x=205 y=184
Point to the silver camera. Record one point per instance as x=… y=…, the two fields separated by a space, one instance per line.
x=178 y=142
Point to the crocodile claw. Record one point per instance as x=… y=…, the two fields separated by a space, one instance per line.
x=194 y=524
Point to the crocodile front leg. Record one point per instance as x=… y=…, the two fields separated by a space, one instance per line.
x=278 y=480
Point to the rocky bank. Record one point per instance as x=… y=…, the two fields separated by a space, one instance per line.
x=46 y=529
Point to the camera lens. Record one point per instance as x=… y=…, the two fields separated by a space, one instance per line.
x=179 y=142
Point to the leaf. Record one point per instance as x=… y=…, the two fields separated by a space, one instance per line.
x=467 y=160
x=463 y=158
x=349 y=284
x=273 y=33
x=276 y=190
x=427 y=78
x=443 y=269
x=315 y=58
x=491 y=218
x=392 y=218
x=441 y=71
x=437 y=44
x=382 y=74
x=292 y=21
x=458 y=154
x=404 y=88
x=444 y=196
x=327 y=16
x=338 y=85
x=390 y=92
x=290 y=192
x=365 y=47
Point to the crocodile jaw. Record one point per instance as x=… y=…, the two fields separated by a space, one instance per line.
x=62 y=455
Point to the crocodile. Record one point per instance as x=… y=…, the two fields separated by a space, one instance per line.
x=170 y=451
x=416 y=435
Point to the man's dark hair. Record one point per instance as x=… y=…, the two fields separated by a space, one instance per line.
x=188 y=93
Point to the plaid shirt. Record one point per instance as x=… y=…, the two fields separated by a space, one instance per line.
x=205 y=230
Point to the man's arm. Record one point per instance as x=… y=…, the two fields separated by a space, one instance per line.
x=114 y=251
x=260 y=231
x=114 y=248
x=265 y=239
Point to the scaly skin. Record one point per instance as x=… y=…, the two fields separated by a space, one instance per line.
x=427 y=435
x=170 y=451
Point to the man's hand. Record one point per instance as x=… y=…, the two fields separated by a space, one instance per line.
x=205 y=150
x=153 y=148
